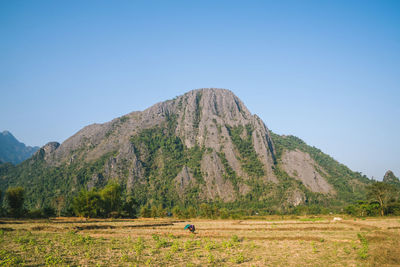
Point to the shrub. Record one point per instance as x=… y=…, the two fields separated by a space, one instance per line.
x=363 y=251
x=15 y=197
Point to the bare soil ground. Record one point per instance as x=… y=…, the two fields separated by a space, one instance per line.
x=267 y=241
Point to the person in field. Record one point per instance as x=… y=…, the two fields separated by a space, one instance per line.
x=191 y=227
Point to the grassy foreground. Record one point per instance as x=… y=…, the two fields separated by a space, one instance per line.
x=270 y=241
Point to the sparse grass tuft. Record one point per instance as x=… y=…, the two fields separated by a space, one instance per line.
x=238 y=258
x=363 y=251
x=314 y=247
x=188 y=245
x=175 y=246
x=53 y=260
x=162 y=243
x=9 y=259
x=210 y=258
x=311 y=219
x=139 y=246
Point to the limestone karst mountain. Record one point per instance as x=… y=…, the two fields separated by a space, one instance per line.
x=202 y=146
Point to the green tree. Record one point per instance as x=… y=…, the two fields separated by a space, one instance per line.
x=15 y=197
x=177 y=212
x=160 y=211
x=191 y=212
x=145 y=212
x=59 y=203
x=382 y=193
x=208 y=210
x=87 y=204
x=129 y=207
x=154 y=211
x=111 y=197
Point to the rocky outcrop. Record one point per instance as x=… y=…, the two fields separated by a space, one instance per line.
x=184 y=180
x=216 y=186
x=302 y=167
x=390 y=178
x=203 y=116
x=46 y=152
x=50 y=147
x=295 y=197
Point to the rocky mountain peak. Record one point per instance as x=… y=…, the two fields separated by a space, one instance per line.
x=390 y=178
x=212 y=119
x=206 y=118
x=50 y=147
x=46 y=151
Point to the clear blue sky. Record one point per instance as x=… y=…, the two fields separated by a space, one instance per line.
x=325 y=71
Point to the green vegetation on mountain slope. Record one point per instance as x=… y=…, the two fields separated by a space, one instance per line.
x=46 y=185
x=163 y=156
x=350 y=186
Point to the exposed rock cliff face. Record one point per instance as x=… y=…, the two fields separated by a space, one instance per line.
x=47 y=150
x=216 y=185
x=302 y=167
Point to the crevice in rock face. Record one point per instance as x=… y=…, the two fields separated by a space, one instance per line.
x=238 y=105
x=197 y=115
x=271 y=149
x=215 y=105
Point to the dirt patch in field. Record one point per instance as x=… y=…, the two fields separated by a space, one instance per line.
x=281 y=238
x=384 y=249
x=88 y=221
x=394 y=227
x=282 y=223
x=281 y=229
x=103 y=233
x=45 y=228
x=93 y=227
x=97 y=226
x=147 y=225
x=271 y=238
x=361 y=225
x=6 y=229
x=10 y=222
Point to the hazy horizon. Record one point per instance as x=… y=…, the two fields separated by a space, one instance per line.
x=326 y=72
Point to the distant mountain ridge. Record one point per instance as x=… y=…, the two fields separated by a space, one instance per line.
x=13 y=151
x=203 y=146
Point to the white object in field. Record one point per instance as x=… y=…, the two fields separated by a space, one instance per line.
x=336 y=219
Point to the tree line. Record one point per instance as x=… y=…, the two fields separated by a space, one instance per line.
x=107 y=202
x=382 y=199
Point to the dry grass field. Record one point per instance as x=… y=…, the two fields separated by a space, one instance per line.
x=267 y=241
